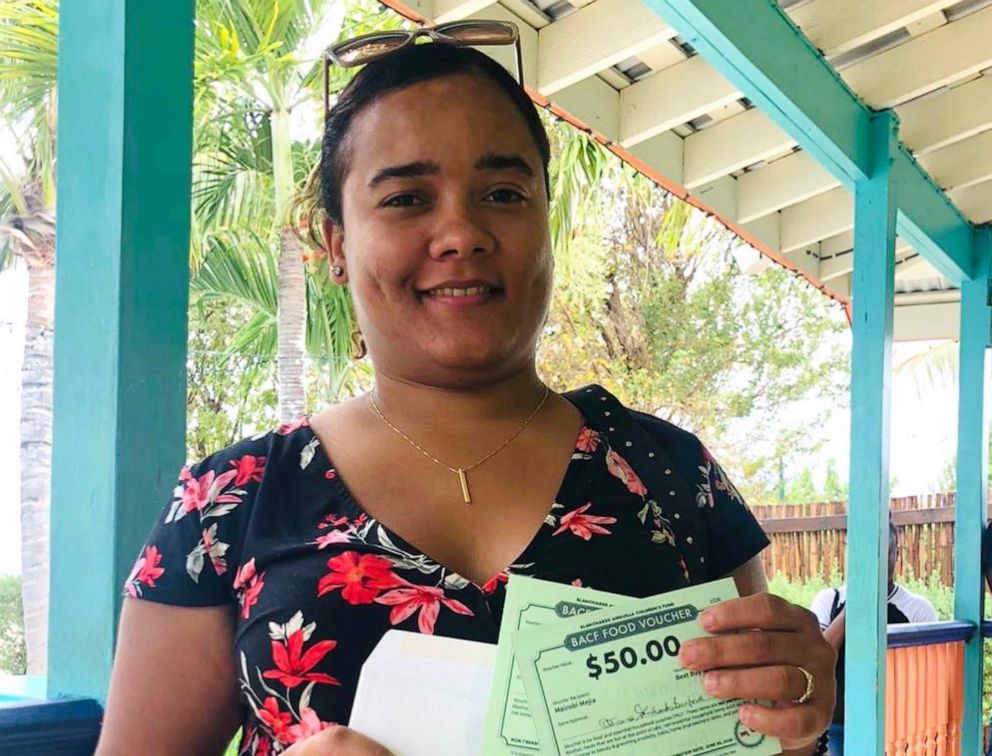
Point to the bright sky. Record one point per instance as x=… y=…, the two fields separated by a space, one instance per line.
x=922 y=440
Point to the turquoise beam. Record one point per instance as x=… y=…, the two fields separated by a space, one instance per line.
x=873 y=289
x=755 y=45
x=972 y=478
x=125 y=117
x=930 y=223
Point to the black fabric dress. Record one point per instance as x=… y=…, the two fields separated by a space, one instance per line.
x=269 y=527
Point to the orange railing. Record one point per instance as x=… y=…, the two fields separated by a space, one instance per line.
x=924 y=699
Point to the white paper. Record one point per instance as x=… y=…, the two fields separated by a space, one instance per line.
x=425 y=695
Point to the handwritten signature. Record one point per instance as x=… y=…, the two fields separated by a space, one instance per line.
x=644 y=711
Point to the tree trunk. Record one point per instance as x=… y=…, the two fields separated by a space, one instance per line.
x=36 y=459
x=292 y=312
x=291 y=327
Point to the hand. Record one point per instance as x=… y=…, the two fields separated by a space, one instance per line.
x=336 y=741
x=764 y=664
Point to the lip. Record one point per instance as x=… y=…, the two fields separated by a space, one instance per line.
x=465 y=283
x=429 y=296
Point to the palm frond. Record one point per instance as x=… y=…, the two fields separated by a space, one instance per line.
x=932 y=370
x=240 y=269
x=232 y=175
x=239 y=266
x=28 y=54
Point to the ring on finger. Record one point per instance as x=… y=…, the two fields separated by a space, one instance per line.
x=808 y=693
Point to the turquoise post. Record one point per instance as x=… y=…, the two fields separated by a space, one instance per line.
x=871 y=371
x=125 y=116
x=972 y=477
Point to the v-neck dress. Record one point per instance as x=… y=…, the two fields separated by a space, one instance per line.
x=268 y=527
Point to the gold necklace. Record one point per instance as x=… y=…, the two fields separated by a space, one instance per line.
x=461 y=472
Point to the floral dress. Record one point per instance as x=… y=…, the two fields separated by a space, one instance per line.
x=270 y=528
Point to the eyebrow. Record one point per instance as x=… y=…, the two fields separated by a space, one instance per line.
x=407 y=170
x=494 y=162
x=490 y=162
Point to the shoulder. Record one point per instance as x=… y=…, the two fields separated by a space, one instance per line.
x=255 y=451
x=684 y=447
x=821 y=605
x=228 y=480
x=917 y=608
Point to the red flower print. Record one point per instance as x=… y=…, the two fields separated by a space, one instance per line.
x=251 y=583
x=493 y=583
x=286 y=428
x=277 y=721
x=332 y=521
x=588 y=440
x=330 y=474
x=309 y=724
x=412 y=598
x=335 y=536
x=294 y=666
x=146 y=570
x=249 y=469
x=255 y=742
x=203 y=493
x=620 y=468
x=584 y=525
x=360 y=577
x=577 y=582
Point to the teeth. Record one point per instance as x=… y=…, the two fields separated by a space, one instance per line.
x=471 y=291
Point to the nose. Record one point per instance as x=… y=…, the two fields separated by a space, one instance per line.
x=460 y=231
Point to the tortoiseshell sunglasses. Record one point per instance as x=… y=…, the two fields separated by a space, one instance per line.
x=369 y=47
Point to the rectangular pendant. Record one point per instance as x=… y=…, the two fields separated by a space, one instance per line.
x=464 y=481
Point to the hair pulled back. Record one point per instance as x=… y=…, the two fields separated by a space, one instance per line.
x=411 y=65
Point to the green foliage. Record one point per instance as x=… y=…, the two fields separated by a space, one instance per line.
x=833 y=489
x=650 y=302
x=229 y=396
x=13 y=653
x=802 y=489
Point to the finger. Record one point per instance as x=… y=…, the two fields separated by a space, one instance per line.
x=342 y=741
x=797 y=722
x=783 y=682
x=754 y=649
x=761 y=610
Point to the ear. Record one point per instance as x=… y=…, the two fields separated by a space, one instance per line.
x=334 y=243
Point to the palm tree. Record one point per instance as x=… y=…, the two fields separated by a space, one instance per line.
x=27 y=233
x=258 y=70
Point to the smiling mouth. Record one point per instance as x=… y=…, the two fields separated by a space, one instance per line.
x=470 y=291
x=461 y=295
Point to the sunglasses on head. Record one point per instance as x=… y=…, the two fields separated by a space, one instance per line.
x=370 y=47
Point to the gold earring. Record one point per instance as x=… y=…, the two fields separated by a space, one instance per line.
x=358 y=347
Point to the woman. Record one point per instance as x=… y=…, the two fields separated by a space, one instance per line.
x=407 y=507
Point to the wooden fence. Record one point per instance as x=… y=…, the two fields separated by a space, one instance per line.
x=811 y=539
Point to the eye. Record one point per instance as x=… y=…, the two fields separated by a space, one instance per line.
x=505 y=196
x=402 y=200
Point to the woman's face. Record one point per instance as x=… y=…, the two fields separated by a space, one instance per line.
x=445 y=235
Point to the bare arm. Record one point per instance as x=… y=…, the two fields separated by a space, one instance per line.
x=750 y=577
x=834 y=634
x=174 y=685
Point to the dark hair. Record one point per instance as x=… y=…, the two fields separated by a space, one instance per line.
x=411 y=65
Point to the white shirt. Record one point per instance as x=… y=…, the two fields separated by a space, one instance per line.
x=916 y=608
